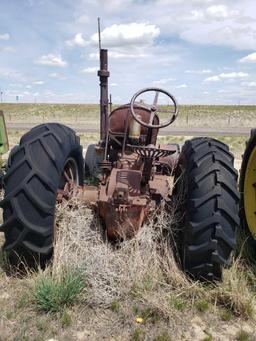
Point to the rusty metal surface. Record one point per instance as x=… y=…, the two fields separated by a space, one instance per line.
x=167 y=164
x=121 y=203
x=121 y=221
x=103 y=74
x=117 y=120
x=154 y=108
x=130 y=183
x=125 y=198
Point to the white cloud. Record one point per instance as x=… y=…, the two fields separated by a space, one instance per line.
x=38 y=82
x=115 y=5
x=51 y=60
x=5 y=36
x=238 y=36
x=249 y=84
x=199 y=72
x=164 y=81
x=12 y=74
x=220 y=12
x=182 y=2
x=90 y=69
x=212 y=79
x=123 y=55
x=57 y=76
x=242 y=37
x=92 y=56
x=181 y=86
x=78 y=40
x=233 y=75
x=118 y=55
x=127 y=34
x=7 y=49
x=196 y=14
x=83 y=19
x=251 y=58
x=226 y=76
x=49 y=93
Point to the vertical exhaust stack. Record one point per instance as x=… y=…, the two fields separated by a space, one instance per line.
x=103 y=74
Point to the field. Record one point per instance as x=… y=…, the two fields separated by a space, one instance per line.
x=93 y=291
x=191 y=116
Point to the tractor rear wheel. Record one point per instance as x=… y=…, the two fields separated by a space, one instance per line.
x=208 y=207
x=47 y=158
x=248 y=197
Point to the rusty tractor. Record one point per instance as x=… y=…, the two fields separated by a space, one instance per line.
x=133 y=177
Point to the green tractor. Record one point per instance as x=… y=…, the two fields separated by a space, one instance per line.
x=4 y=145
x=248 y=197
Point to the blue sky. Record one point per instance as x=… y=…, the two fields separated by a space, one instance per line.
x=202 y=51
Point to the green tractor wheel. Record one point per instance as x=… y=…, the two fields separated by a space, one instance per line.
x=208 y=206
x=248 y=194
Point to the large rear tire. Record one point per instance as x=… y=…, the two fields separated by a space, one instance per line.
x=209 y=207
x=35 y=173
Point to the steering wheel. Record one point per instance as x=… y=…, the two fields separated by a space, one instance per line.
x=154 y=109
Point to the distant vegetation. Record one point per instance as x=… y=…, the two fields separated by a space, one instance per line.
x=190 y=115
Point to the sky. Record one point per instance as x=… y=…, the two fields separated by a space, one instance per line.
x=202 y=51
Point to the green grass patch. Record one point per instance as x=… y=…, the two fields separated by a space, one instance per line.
x=3 y=260
x=164 y=336
x=54 y=295
x=115 y=306
x=148 y=314
x=138 y=335
x=65 y=319
x=226 y=315
x=244 y=336
x=202 y=305
x=178 y=303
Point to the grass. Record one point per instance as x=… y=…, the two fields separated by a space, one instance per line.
x=66 y=319
x=190 y=115
x=3 y=260
x=226 y=315
x=202 y=305
x=164 y=336
x=55 y=294
x=115 y=306
x=111 y=287
x=244 y=336
x=178 y=303
x=138 y=335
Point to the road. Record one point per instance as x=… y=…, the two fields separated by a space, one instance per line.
x=175 y=131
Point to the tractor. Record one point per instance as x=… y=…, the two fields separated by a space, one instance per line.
x=4 y=146
x=135 y=175
x=247 y=186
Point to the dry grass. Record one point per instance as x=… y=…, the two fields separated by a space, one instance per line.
x=143 y=267
x=139 y=279
x=132 y=290
x=113 y=271
x=88 y=114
